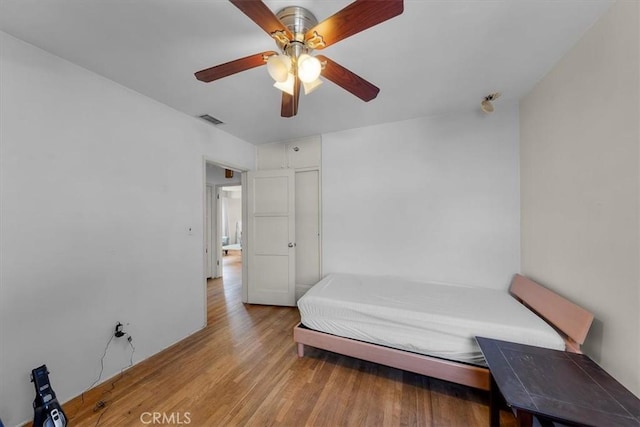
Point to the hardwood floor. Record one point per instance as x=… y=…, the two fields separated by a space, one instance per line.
x=242 y=370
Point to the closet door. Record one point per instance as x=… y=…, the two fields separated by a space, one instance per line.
x=307 y=229
x=304 y=154
x=271 y=245
x=271 y=156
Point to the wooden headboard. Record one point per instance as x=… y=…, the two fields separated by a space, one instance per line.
x=571 y=319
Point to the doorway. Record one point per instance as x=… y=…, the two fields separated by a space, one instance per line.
x=222 y=226
x=229 y=209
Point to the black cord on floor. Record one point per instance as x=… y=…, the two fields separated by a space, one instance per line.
x=103 y=403
x=102 y=414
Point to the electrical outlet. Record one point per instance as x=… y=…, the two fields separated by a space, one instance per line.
x=119 y=332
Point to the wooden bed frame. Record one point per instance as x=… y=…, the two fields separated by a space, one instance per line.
x=571 y=321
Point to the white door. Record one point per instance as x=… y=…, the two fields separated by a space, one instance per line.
x=271 y=237
x=307 y=229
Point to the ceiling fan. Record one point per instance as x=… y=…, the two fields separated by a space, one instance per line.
x=297 y=33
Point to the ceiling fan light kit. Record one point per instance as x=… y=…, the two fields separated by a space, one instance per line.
x=309 y=68
x=310 y=87
x=287 y=86
x=278 y=67
x=297 y=33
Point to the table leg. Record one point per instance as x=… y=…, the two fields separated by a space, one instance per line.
x=494 y=404
x=525 y=419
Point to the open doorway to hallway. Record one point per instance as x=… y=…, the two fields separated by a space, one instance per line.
x=224 y=294
x=223 y=228
x=229 y=200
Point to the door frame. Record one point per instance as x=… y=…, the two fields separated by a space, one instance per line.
x=225 y=165
x=218 y=226
x=211 y=269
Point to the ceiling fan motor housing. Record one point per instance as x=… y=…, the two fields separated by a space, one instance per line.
x=298 y=20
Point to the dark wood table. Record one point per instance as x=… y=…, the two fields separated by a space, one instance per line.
x=555 y=386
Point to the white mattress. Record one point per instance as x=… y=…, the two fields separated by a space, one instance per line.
x=433 y=319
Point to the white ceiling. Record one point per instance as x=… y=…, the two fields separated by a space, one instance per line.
x=437 y=57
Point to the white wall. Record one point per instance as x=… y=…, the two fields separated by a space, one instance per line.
x=99 y=186
x=580 y=185
x=449 y=183
x=215 y=176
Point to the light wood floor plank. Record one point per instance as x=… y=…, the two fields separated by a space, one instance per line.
x=243 y=370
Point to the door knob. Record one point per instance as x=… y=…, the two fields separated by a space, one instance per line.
x=291 y=245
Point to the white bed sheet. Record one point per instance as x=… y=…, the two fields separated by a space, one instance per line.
x=426 y=318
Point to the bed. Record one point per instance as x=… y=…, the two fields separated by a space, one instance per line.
x=430 y=328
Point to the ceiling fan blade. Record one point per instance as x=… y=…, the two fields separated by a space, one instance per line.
x=262 y=15
x=228 y=68
x=356 y=17
x=348 y=80
x=290 y=102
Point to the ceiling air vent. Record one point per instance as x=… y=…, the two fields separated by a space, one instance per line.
x=211 y=119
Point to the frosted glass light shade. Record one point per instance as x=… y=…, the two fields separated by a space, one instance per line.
x=310 y=87
x=486 y=106
x=278 y=67
x=287 y=85
x=309 y=68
